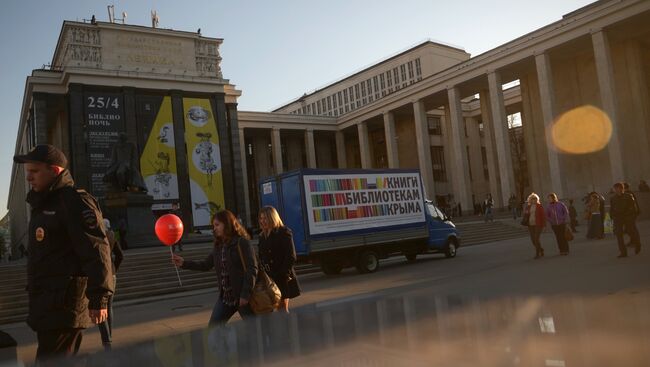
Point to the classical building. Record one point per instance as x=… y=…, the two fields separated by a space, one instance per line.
x=577 y=90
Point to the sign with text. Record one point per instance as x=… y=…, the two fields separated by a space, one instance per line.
x=347 y=202
x=104 y=114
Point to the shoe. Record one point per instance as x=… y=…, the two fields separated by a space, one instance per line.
x=107 y=346
x=541 y=252
x=621 y=255
x=637 y=250
x=563 y=253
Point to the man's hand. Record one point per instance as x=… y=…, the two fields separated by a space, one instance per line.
x=98 y=316
x=243 y=302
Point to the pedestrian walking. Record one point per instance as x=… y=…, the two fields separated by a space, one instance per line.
x=117 y=255
x=594 y=218
x=235 y=279
x=623 y=212
x=177 y=212
x=633 y=231
x=512 y=206
x=557 y=215
x=488 y=205
x=643 y=186
x=68 y=263
x=278 y=255
x=573 y=216
x=535 y=220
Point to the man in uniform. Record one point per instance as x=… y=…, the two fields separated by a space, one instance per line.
x=623 y=211
x=69 y=274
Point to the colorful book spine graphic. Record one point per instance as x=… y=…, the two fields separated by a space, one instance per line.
x=366 y=211
x=343 y=184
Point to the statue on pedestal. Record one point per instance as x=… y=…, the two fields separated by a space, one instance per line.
x=124 y=172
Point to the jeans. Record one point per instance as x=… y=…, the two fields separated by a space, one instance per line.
x=106 y=327
x=488 y=215
x=535 y=232
x=222 y=312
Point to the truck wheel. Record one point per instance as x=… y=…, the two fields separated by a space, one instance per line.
x=450 y=251
x=331 y=268
x=367 y=262
x=411 y=257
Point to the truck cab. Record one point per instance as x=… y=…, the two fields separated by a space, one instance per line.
x=443 y=236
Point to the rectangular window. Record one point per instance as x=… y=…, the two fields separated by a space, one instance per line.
x=389 y=79
x=486 y=171
x=382 y=81
x=469 y=164
x=336 y=113
x=363 y=90
x=438 y=163
x=435 y=125
x=351 y=91
x=358 y=103
x=410 y=66
x=346 y=108
x=376 y=84
x=481 y=129
x=370 y=98
x=402 y=68
x=329 y=103
x=364 y=101
x=318 y=107
x=345 y=96
x=356 y=91
x=313 y=108
x=303 y=110
x=418 y=68
x=396 y=75
x=340 y=95
x=341 y=110
x=369 y=84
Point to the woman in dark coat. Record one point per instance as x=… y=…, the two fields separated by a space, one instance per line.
x=235 y=279
x=278 y=255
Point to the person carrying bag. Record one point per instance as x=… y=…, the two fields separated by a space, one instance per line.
x=265 y=295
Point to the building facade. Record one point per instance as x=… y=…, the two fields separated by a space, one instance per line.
x=431 y=107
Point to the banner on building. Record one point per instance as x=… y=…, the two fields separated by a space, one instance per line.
x=104 y=114
x=158 y=159
x=204 y=160
x=348 y=202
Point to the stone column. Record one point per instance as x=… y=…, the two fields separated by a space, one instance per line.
x=244 y=177
x=460 y=173
x=182 y=164
x=311 y=148
x=341 y=158
x=276 y=146
x=490 y=149
x=364 y=150
x=605 y=71
x=391 y=144
x=547 y=101
x=424 y=148
x=640 y=94
x=501 y=137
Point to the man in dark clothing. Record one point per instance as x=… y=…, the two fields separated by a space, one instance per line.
x=68 y=265
x=177 y=212
x=633 y=231
x=106 y=327
x=573 y=216
x=622 y=209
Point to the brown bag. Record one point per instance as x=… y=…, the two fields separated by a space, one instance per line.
x=568 y=235
x=265 y=296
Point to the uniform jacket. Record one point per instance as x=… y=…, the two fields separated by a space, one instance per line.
x=623 y=207
x=241 y=281
x=278 y=257
x=116 y=251
x=557 y=213
x=69 y=263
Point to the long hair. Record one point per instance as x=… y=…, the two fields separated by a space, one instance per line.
x=272 y=216
x=231 y=227
x=531 y=196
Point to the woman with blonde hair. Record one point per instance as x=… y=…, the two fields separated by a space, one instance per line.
x=535 y=219
x=235 y=279
x=278 y=255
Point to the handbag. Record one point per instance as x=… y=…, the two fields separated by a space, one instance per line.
x=568 y=235
x=265 y=296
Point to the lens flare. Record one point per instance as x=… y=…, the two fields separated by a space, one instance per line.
x=582 y=130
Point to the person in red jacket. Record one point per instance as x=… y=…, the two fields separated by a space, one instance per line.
x=535 y=219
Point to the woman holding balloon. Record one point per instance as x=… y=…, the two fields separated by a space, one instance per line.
x=235 y=279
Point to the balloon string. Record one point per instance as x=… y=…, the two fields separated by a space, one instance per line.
x=176 y=267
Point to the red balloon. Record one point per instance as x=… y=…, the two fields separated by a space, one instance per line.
x=169 y=229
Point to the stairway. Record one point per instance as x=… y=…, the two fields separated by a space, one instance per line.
x=149 y=272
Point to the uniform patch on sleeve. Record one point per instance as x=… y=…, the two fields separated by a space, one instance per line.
x=40 y=234
x=90 y=218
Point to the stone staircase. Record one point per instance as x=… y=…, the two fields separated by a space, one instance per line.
x=149 y=272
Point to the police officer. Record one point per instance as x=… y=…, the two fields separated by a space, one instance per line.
x=69 y=276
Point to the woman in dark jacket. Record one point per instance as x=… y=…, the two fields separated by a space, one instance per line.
x=278 y=255
x=235 y=280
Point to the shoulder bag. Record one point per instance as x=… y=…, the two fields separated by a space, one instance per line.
x=266 y=295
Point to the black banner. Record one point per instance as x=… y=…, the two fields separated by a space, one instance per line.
x=104 y=123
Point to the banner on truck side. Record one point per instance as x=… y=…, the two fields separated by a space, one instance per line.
x=349 y=202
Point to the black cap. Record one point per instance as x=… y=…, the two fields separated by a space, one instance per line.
x=44 y=153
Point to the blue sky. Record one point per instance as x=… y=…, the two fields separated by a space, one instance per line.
x=274 y=51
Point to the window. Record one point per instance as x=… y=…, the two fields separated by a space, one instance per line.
x=351 y=91
x=313 y=108
x=469 y=164
x=376 y=84
x=356 y=91
x=481 y=127
x=340 y=95
x=363 y=90
x=410 y=66
x=358 y=103
x=322 y=102
x=345 y=96
x=403 y=70
x=418 y=68
x=396 y=75
x=435 y=125
x=334 y=104
x=486 y=171
x=438 y=163
x=369 y=98
x=389 y=79
x=329 y=103
x=382 y=81
x=347 y=108
x=303 y=110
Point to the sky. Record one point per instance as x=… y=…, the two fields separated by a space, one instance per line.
x=273 y=51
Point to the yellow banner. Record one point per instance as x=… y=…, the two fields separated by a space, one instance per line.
x=204 y=160
x=158 y=160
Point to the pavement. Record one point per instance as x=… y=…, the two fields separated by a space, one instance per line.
x=489 y=271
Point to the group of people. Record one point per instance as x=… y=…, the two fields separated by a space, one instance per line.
x=624 y=210
x=74 y=257
x=237 y=265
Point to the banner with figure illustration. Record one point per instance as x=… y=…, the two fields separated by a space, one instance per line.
x=337 y=203
x=204 y=160
x=158 y=159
